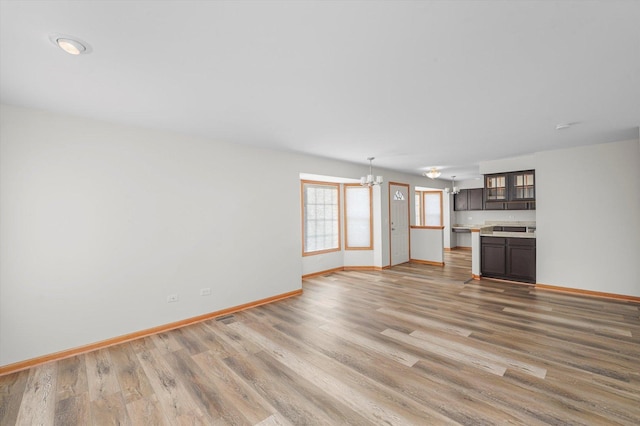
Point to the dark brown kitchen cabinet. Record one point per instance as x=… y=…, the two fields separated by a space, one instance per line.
x=522 y=186
x=476 y=198
x=493 y=257
x=461 y=201
x=495 y=187
x=508 y=258
x=510 y=191
x=468 y=199
x=521 y=259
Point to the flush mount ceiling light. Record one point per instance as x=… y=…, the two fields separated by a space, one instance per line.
x=71 y=45
x=370 y=179
x=433 y=173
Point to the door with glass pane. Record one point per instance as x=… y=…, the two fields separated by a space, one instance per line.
x=399 y=226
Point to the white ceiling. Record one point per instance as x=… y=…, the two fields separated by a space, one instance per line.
x=415 y=84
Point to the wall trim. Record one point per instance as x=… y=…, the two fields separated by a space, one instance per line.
x=504 y=280
x=476 y=277
x=57 y=356
x=358 y=268
x=345 y=268
x=426 y=262
x=327 y=271
x=459 y=248
x=590 y=293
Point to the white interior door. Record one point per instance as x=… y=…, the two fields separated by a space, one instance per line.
x=399 y=212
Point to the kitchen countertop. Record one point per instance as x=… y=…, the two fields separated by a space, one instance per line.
x=486 y=230
x=508 y=234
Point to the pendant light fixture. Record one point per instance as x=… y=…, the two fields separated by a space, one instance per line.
x=454 y=189
x=370 y=179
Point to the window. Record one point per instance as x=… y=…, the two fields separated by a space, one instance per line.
x=357 y=212
x=428 y=206
x=321 y=218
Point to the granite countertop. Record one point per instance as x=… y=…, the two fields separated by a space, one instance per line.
x=468 y=226
x=486 y=230
x=508 y=234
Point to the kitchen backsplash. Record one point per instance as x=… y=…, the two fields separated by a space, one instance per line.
x=480 y=216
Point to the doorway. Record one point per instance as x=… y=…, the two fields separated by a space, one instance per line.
x=399 y=221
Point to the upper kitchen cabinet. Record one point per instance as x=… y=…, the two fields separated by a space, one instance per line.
x=495 y=187
x=468 y=199
x=510 y=191
x=522 y=186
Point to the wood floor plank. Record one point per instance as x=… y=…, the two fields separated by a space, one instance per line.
x=298 y=401
x=203 y=390
x=38 y=401
x=73 y=410
x=233 y=391
x=101 y=377
x=146 y=411
x=177 y=404
x=72 y=377
x=475 y=361
x=470 y=349
x=425 y=322
x=131 y=377
x=109 y=409
x=12 y=389
x=394 y=354
x=165 y=342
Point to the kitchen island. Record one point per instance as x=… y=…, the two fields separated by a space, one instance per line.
x=504 y=250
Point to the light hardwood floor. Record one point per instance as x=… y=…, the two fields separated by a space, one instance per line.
x=413 y=345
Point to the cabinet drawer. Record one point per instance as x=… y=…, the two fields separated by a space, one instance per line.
x=529 y=242
x=494 y=240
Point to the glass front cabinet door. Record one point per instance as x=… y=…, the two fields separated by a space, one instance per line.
x=496 y=187
x=522 y=186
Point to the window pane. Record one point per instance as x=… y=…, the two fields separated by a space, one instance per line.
x=433 y=208
x=321 y=224
x=358 y=216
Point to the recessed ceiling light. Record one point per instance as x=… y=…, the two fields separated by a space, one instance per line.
x=566 y=125
x=71 y=45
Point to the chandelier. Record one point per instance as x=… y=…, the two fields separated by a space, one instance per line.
x=454 y=189
x=370 y=179
x=433 y=173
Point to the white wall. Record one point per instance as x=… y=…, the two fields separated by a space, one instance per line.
x=101 y=222
x=588 y=222
x=510 y=164
x=427 y=244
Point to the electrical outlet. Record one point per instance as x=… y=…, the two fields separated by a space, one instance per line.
x=205 y=291
x=172 y=298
